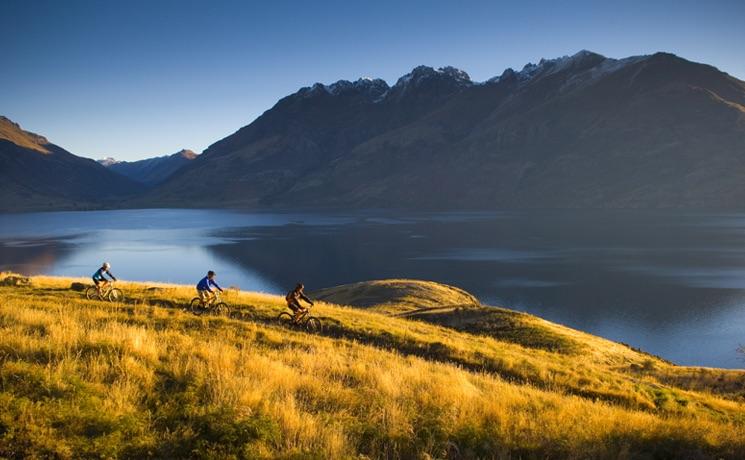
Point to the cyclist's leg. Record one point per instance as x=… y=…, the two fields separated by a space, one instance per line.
x=204 y=297
x=296 y=309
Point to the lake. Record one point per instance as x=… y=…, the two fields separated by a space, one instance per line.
x=669 y=282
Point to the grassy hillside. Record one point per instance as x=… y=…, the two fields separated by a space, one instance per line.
x=82 y=378
x=397 y=296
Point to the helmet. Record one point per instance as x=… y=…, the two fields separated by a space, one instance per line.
x=106 y=265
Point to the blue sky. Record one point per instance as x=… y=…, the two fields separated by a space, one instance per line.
x=137 y=79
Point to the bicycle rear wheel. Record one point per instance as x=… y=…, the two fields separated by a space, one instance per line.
x=196 y=306
x=313 y=324
x=285 y=319
x=91 y=293
x=221 y=309
x=116 y=295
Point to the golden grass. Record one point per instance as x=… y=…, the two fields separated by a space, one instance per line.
x=397 y=295
x=83 y=378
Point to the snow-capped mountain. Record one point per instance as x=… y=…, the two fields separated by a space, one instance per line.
x=582 y=130
x=108 y=161
x=576 y=131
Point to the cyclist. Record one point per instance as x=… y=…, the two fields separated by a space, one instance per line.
x=204 y=287
x=293 y=300
x=99 y=278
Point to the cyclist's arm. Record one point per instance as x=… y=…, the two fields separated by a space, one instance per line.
x=215 y=284
x=113 y=278
x=305 y=297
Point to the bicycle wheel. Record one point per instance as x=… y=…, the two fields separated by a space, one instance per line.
x=221 y=309
x=91 y=293
x=313 y=324
x=116 y=295
x=285 y=319
x=196 y=306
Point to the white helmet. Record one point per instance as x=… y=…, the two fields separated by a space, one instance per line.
x=106 y=265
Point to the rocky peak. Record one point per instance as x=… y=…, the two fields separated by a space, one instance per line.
x=424 y=73
x=186 y=153
x=108 y=161
x=371 y=88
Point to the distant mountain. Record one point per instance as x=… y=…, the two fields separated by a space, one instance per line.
x=577 y=131
x=38 y=175
x=151 y=171
x=108 y=161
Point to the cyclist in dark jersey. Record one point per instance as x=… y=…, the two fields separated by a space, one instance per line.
x=99 y=278
x=293 y=299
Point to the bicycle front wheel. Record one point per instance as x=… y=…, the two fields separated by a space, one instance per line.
x=196 y=306
x=116 y=295
x=313 y=324
x=221 y=309
x=91 y=293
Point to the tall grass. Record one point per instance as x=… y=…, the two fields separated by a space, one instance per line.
x=84 y=378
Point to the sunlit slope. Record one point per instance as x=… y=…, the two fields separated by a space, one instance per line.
x=457 y=309
x=87 y=378
x=397 y=295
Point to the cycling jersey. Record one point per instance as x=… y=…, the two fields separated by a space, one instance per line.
x=99 y=275
x=205 y=283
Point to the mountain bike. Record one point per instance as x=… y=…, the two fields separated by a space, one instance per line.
x=303 y=320
x=213 y=305
x=106 y=292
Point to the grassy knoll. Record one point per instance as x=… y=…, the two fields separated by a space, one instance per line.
x=83 y=378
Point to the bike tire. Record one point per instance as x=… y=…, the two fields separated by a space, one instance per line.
x=116 y=295
x=221 y=309
x=313 y=324
x=195 y=306
x=285 y=319
x=91 y=293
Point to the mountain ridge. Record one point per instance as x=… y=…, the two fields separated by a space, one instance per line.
x=578 y=131
x=36 y=174
x=151 y=171
x=564 y=132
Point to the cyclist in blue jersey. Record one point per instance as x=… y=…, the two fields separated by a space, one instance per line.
x=99 y=278
x=204 y=287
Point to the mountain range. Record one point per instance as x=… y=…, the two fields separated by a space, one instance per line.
x=581 y=131
x=150 y=171
x=578 y=131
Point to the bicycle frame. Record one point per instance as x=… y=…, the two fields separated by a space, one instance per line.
x=214 y=298
x=304 y=314
x=106 y=288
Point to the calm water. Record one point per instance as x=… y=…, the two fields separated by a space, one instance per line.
x=672 y=283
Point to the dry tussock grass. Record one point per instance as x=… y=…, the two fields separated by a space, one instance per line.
x=83 y=378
